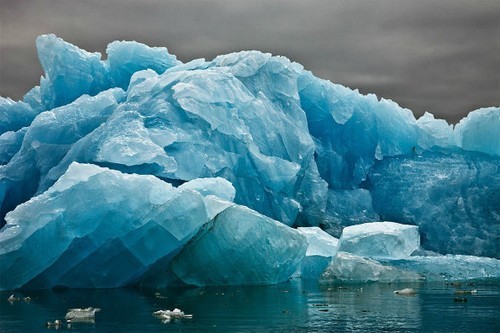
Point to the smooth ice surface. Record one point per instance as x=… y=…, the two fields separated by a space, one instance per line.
x=380 y=240
x=350 y=268
x=321 y=248
x=240 y=247
x=97 y=228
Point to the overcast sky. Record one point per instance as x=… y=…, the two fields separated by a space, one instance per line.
x=436 y=56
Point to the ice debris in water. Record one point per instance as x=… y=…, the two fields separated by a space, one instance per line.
x=167 y=315
x=81 y=314
x=405 y=292
x=170 y=148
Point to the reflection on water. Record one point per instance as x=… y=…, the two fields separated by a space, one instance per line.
x=295 y=306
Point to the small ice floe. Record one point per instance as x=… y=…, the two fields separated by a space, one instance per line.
x=12 y=298
x=466 y=292
x=166 y=315
x=54 y=324
x=405 y=292
x=81 y=315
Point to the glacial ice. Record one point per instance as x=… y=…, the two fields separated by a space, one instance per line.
x=453 y=197
x=244 y=129
x=479 y=131
x=449 y=267
x=321 y=248
x=380 y=240
x=351 y=268
x=240 y=247
x=93 y=229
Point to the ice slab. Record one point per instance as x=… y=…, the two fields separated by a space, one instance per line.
x=240 y=247
x=380 y=240
x=97 y=228
x=350 y=268
x=347 y=267
x=450 y=267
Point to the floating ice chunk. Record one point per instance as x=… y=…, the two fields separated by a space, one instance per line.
x=109 y=242
x=167 y=315
x=380 y=240
x=405 y=292
x=240 y=247
x=81 y=314
x=321 y=249
x=350 y=268
x=479 y=131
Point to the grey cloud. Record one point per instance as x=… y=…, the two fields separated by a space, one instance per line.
x=437 y=56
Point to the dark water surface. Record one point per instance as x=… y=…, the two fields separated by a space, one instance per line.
x=290 y=307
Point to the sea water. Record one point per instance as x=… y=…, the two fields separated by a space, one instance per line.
x=295 y=306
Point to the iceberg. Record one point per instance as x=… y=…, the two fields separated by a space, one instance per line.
x=88 y=157
x=380 y=240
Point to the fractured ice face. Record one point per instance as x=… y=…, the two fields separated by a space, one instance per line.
x=240 y=247
x=380 y=240
x=453 y=198
x=479 y=131
x=321 y=248
x=96 y=228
